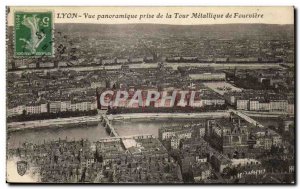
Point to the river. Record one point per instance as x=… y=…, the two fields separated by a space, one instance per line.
x=37 y=136
x=137 y=127
x=92 y=133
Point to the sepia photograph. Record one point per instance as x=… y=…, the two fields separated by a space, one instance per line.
x=150 y=95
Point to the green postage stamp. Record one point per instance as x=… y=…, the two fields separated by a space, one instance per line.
x=33 y=34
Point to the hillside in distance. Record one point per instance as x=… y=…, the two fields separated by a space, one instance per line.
x=225 y=30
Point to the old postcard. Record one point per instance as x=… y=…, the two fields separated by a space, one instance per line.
x=150 y=95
